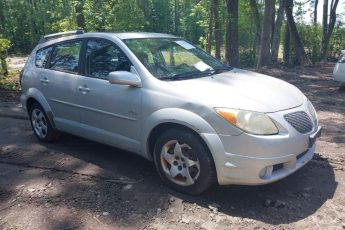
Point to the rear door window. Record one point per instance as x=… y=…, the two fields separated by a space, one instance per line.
x=65 y=57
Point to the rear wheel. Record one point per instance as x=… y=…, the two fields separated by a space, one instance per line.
x=184 y=162
x=40 y=124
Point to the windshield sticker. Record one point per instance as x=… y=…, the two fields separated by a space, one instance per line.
x=202 y=66
x=185 y=45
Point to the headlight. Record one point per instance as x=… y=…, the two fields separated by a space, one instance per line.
x=248 y=121
x=312 y=112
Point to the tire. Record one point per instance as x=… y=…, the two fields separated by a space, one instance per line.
x=41 y=125
x=184 y=162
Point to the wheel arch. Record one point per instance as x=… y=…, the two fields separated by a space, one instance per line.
x=165 y=119
x=35 y=96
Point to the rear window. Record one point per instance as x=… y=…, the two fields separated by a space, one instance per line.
x=42 y=57
x=65 y=57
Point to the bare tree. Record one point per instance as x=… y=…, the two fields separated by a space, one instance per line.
x=316 y=3
x=210 y=28
x=324 y=21
x=256 y=20
x=301 y=56
x=328 y=29
x=231 y=52
x=286 y=56
x=315 y=47
x=265 y=43
x=177 y=17
x=79 y=5
x=276 y=32
x=217 y=34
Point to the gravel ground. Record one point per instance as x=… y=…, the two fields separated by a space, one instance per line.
x=79 y=184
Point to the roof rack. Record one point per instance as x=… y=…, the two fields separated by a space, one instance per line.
x=61 y=34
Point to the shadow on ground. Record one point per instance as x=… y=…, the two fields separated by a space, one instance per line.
x=286 y=201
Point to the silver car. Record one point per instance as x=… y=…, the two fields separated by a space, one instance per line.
x=339 y=69
x=159 y=96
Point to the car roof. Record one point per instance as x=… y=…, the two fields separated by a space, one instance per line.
x=63 y=36
x=132 y=35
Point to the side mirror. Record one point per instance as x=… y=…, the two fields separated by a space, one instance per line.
x=124 y=78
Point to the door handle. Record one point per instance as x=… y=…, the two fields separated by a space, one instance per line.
x=84 y=89
x=44 y=80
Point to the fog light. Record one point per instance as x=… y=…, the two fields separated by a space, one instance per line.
x=266 y=172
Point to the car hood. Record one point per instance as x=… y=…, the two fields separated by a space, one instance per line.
x=240 y=89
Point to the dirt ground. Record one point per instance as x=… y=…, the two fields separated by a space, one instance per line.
x=79 y=184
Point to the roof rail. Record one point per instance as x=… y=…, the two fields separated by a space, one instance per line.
x=61 y=34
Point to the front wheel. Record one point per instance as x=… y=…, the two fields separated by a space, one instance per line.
x=184 y=162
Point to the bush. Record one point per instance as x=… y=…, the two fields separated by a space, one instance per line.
x=4 y=46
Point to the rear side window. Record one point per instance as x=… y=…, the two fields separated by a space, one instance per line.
x=42 y=57
x=65 y=57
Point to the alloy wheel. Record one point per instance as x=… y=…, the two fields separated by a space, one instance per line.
x=180 y=163
x=39 y=123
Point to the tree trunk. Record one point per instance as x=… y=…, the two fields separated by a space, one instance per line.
x=210 y=29
x=256 y=19
x=315 y=45
x=316 y=3
x=265 y=44
x=2 y=17
x=330 y=27
x=231 y=52
x=302 y=58
x=79 y=15
x=3 y=62
x=276 y=32
x=286 y=57
x=177 y=17
x=273 y=20
x=217 y=28
x=324 y=22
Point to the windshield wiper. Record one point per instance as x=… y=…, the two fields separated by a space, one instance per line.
x=222 y=69
x=194 y=74
x=187 y=75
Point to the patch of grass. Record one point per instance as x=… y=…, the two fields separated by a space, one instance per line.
x=11 y=81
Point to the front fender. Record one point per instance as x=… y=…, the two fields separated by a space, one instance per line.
x=176 y=116
x=192 y=121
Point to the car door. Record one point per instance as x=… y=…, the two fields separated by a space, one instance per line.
x=60 y=80
x=108 y=112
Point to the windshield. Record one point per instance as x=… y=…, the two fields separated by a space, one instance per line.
x=174 y=59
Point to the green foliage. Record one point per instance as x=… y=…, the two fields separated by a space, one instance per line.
x=194 y=22
x=24 y=22
x=10 y=81
x=5 y=44
x=337 y=42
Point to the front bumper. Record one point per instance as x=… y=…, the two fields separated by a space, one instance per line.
x=254 y=171
x=253 y=159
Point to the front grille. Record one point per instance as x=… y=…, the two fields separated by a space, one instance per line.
x=277 y=167
x=300 y=121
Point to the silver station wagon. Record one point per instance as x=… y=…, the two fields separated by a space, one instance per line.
x=159 y=96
